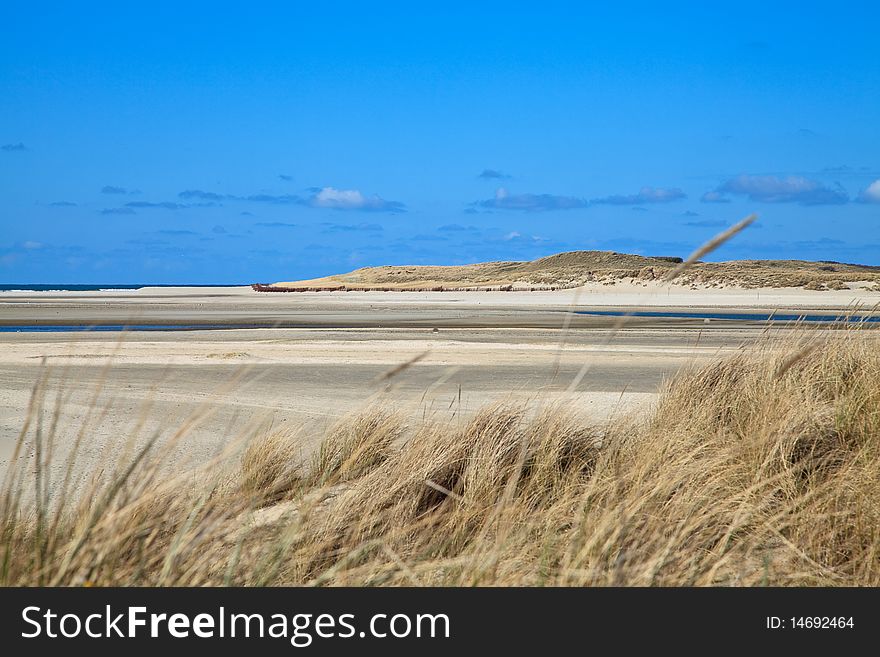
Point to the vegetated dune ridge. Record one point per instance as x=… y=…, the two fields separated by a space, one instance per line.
x=575 y=268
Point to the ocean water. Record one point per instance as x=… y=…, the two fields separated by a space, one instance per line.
x=62 y=287
x=103 y=328
x=67 y=287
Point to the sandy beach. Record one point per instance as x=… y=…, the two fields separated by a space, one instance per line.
x=328 y=352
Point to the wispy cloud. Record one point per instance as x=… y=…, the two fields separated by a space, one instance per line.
x=871 y=194
x=284 y=177
x=323 y=197
x=118 y=211
x=790 y=189
x=714 y=197
x=62 y=204
x=165 y=205
x=13 y=147
x=456 y=228
x=214 y=197
x=493 y=174
x=504 y=200
x=517 y=237
x=112 y=189
x=280 y=199
x=176 y=232
x=644 y=195
x=198 y=194
x=706 y=223
x=349 y=228
x=352 y=199
x=274 y=224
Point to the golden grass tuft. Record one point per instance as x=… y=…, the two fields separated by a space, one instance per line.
x=758 y=469
x=356 y=445
x=271 y=466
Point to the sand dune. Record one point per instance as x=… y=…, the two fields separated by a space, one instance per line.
x=576 y=268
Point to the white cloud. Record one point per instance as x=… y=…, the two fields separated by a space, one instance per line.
x=791 y=189
x=714 y=197
x=504 y=200
x=343 y=199
x=871 y=194
x=645 y=195
x=352 y=199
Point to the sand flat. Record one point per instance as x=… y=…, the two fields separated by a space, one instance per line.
x=621 y=293
x=329 y=359
x=242 y=307
x=306 y=377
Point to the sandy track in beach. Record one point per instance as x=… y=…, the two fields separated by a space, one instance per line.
x=293 y=378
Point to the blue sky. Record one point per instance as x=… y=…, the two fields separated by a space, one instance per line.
x=218 y=142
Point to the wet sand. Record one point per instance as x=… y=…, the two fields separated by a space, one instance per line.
x=242 y=307
x=333 y=349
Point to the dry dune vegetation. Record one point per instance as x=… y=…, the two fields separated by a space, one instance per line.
x=567 y=270
x=759 y=469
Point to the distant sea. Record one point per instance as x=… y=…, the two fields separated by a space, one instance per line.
x=61 y=287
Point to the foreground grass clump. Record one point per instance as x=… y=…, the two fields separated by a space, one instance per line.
x=760 y=469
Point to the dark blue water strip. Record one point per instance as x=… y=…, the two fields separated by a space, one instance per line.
x=36 y=328
x=743 y=317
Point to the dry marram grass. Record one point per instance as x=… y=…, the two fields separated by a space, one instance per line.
x=757 y=469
